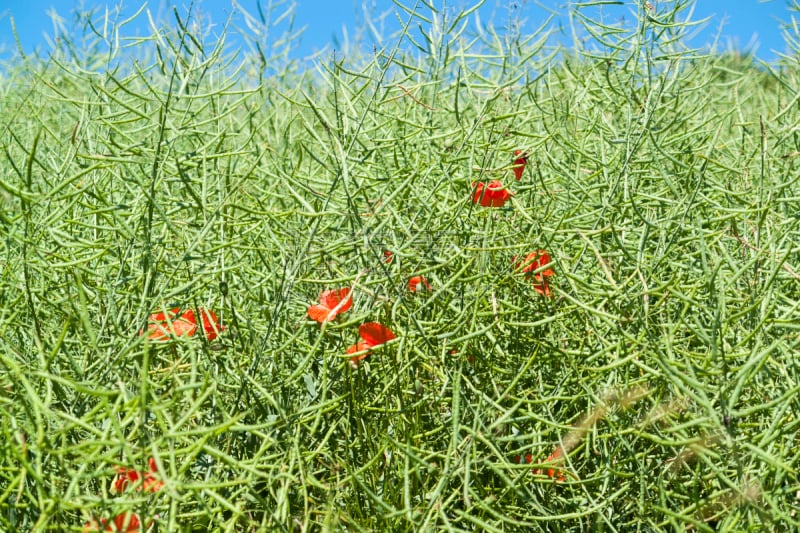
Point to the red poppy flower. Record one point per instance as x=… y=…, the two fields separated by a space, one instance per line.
x=558 y=475
x=519 y=164
x=129 y=477
x=372 y=335
x=162 y=326
x=531 y=266
x=209 y=320
x=122 y=523
x=388 y=257
x=492 y=194
x=414 y=283
x=360 y=346
x=331 y=304
x=523 y=459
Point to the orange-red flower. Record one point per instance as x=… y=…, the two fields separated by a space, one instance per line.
x=331 y=304
x=372 y=335
x=552 y=473
x=558 y=475
x=209 y=321
x=163 y=325
x=523 y=459
x=129 y=477
x=388 y=257
x=519 y=164
x=532 y=266
x=122 y=523
x=492 y=194
x=416 y=281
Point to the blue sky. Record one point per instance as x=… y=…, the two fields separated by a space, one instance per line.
x=737 y=22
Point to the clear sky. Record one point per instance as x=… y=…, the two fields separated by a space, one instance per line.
x=737 y=22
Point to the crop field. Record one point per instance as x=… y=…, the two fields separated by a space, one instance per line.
x=472 y=280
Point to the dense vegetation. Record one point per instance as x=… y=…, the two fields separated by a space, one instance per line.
x=644 y=378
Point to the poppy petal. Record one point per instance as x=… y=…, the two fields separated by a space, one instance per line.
x=179 y=326
x=542 y=288
x=556 y=456
x=360 y=346
x=211 y=324
x=523 y=459
x=375 y=334
x=477 y=192
x=152 y=483
x=531 y=266
x=320 y=313
x=122 y=523
x=125 y=523
x=500 y=198
x=334 y=297
x=331 y=304
x=127 y=477
x=124 y=477
x=156 y=332
x=156 y=322
x=491 y=195
x=519 y=164
x=183 y=327
x=416 y=281
x=532 y=262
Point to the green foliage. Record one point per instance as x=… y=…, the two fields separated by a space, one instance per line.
x=181 y=174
